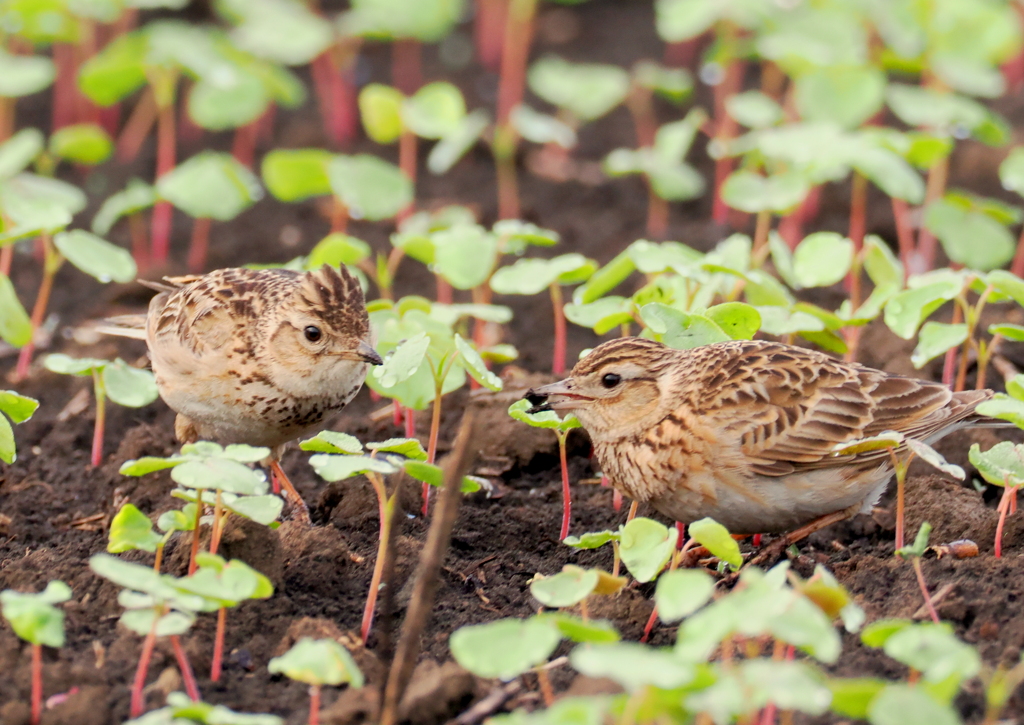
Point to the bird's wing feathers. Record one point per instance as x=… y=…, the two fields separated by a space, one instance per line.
x=787 y=408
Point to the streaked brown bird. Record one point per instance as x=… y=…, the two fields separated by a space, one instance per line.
x=744 y=431
x=259 y=357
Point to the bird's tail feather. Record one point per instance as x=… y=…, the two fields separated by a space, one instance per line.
x=133 y=326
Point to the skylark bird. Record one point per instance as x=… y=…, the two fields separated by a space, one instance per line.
x=259 y=357
x=744 y=431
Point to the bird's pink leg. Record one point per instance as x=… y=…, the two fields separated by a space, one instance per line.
x=280 y=479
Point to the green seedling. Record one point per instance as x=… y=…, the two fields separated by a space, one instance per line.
x=84 y=144
x=341 y=456
x=520 y=410
x=122 y=383
x=224 y=584
x=209 y=186
x=1011 y=174
x=155 y=606
x=901 y=451
x=505 y=648
x=424 y=359
x=582 y=92
x=914 y=553
x=532 y=276
x=181 y=710
x=572 y=586
x=23 y=75
x=15 y=326
x=209 y=474
x=716 y=539
x=130 y=202
x=14 y=408
x=317 y=663
x=1000 y=685
x=1001 y=465
x=437 y=111
x=361 y=186
x=131 y=530
x=35 y=619
x=662 y=163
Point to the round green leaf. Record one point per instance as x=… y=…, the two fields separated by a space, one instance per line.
x=505 y=648
x=210 y=185
x=135 y=197
x=116 y=71
x=15 y=326
x=632 y=665
x=405 y=360
x=129 y=386
x=1011 y=171
x=970 y=237
x=1000 y=465
x=435 y=110
x=475 y=366
x=846 y=95
x=753 y=109
x=822 y=259
x=20 y=150
x=682 y=592
x=465 y=255
x=751 y=192
x=297 y=175
x=908 y=705
x=716 y=538
x=82 y=143
x=329 y=441
x=338 y=468
x=131 y=529
x=23 y=75
x=587 y=90
x=934 y=339
x=645 y=547
x=18 y=408
x=570 y=586
x=679 y=20
x=218 y=473
x=227 y=100
x=95 y=256
x=369 y=187
x=380 y=108
x=318 y=662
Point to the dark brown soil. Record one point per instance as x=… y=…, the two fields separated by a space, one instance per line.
x=54 y=507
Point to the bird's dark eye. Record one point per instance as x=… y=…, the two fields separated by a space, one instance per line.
x=610 y=380
x=312 y=333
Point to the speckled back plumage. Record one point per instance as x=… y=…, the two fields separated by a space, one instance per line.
x=744 y=431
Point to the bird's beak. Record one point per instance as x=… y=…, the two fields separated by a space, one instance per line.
x=363 y=353
x=555 y=396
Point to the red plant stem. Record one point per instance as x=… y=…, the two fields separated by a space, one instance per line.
x=410 y=423
x=508 y=183
x=339 y=216
x=904 y=234
x=198 y=245
x=858 y=221
x=187 y=676
x=335 y=91
x=558 y=359
x=949 y=362
x=345 y=118
x=243 y=148
x=195 y=533
x=99 y=390
x=444 y=291
x=514 y=54
x=138 y=703
x=6 y=118
x=924 y=590
x=1005 y=503
x=162 y=210
x=314 y=704
x=110 y=118
x=901 y=494
x=616 y=500
x=265 y=124
x=566 y=492
x=406 y=65
x=756 y=541
x=140 y=240
x=64 y=88
x=137 y=127
x=6 y=259
x=396 y=413
x=936 y=187
x=188 y=131
x=50 y=266
x=435 y=428
x=682 y=54
x=657 y=214
x=488 y=31
x=1017 y=266
x=725 y=129
x=407 y=162
x=37 y=683
x=218 y=644
x=378 y=565
x=218 y=524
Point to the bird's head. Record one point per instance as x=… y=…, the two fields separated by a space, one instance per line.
x=322 y=333
x=615 y=390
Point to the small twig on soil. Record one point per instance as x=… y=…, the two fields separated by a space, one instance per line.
x=425 y=587
x=923 y=612
x=490 y=704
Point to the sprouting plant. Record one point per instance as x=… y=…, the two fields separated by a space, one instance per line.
x=212 y=475
x=1002 y=464
x=424 y=360
x=35 y=619
x=131 y=530
x=154 y=607
x=317 y=663
x=209 y=186
x=914 y=553
x=182 y=710
x=532 y=276
x=435 y=111
x=901 y=451
x=520 y=410
x=224 y=584
x=662 y=163
x=122 y=383
x=130 y=202
x=362 y=186
x=14 y=408
x=341 y=456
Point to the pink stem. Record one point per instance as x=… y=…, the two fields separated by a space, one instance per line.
x=199 y=244
x=187 y=676
x=101 y=417
x=406 y=65
x=243 y=148
x=558 y=359
x=489 y=30
x=138 y=703
x=37 y=683
x=566 y=492
x=162 y=211
x=1009 y=494
x=218 y=644
x=314 y=704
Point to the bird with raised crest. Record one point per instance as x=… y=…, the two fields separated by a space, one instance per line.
x=745 y=431
x=259 y=357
